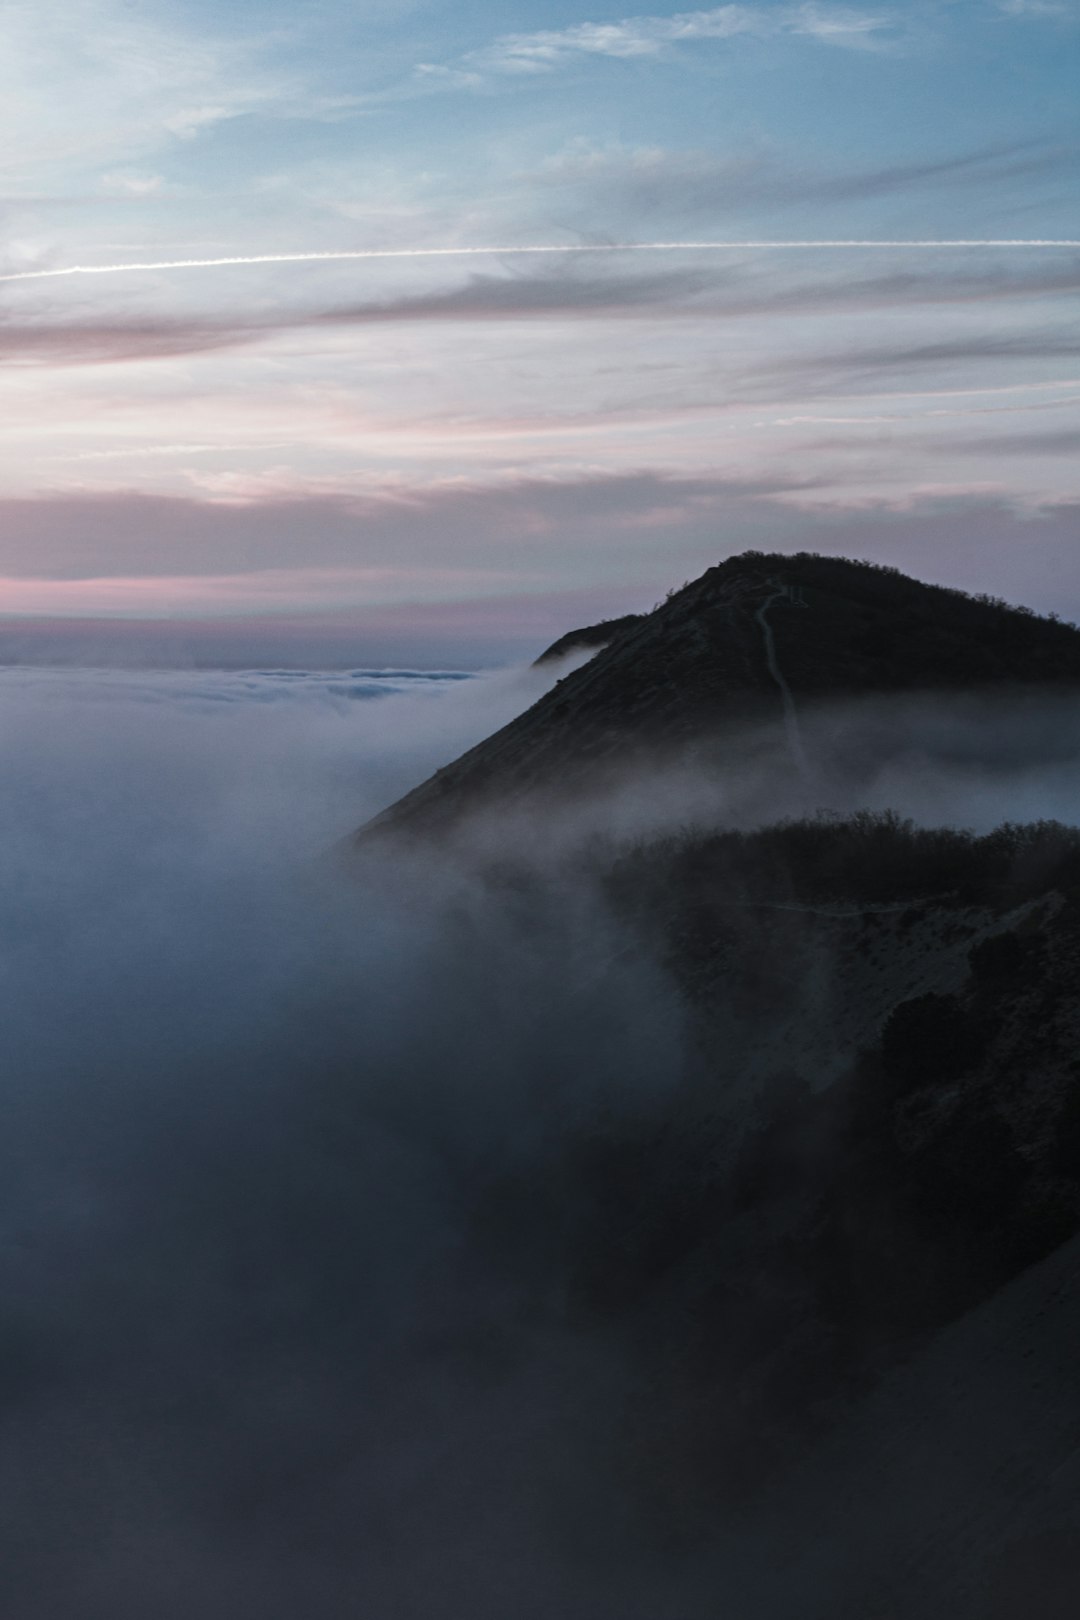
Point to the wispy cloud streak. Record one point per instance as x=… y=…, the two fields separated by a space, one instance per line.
x=556 y=293
x=560 y=248
x=632 y=38
x=657 y=182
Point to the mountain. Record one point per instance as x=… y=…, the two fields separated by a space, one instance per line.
x=838 y=1249
x=757 y=640
x=837 y=1246
x=882 y=1019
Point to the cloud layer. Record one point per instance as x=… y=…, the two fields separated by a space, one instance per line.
x=81 y=556
x=286 y=1327
x=631 y=38
x=244 y=1105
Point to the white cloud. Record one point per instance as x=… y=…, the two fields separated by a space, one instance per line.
x=132 y=185
x=186 y=123
x=838 y=26
x=636 y=37
x=1036 y=8
x=98 y=80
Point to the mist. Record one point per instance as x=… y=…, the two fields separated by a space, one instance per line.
x=287 y=1328
x=969 y=760
x=252 y=1357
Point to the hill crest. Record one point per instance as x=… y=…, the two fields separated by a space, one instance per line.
x=757 y=638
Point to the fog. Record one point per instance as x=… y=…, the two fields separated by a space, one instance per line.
x=277 y=1336
x=965 y=760
x=252 y=1359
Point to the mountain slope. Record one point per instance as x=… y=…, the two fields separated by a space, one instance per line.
x=877 y=1131
x=756 y=639
x=837 y=1241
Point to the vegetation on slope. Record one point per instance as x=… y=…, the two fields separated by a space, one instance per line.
x=763 y=1264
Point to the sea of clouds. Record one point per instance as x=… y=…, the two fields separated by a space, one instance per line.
x=270 y=1343
x=252 y=1358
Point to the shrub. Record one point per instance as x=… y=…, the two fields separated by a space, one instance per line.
x=1066 y=1149
x=929 y=1039
x=997 y=961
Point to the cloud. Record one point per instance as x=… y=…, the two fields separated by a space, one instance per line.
x=394 y=726
x=1064 y=443
x=713 y=292
x=647 y=183
x=569 y=290
x=86 y=342
x=920 y=413
x=102 y=81
x=905 y=288
x=257 y=1351
x=983 y=346
x=460 y=544
x=127 y=536
x=471 y=634
x=1036 y=8
x=349 y=1267
x=710 y=292
x=132 y=185
x=858 y=369
x=566 y=249
x=634 y=38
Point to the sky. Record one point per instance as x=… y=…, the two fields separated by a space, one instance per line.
x=454 y=456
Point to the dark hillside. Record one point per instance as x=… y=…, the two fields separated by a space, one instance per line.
x=864 y=1141
x=879 y=1127
x=759 y=638
x=590 y=636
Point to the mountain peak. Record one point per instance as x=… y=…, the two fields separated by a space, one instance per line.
x=755 y=639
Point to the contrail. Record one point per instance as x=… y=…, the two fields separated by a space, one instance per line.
x=553 y=248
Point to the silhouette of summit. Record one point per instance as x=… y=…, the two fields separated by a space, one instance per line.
x=754 y=639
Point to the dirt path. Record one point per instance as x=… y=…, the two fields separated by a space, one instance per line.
x=791 y=715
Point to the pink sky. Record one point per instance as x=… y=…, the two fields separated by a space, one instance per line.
x=352 y=437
